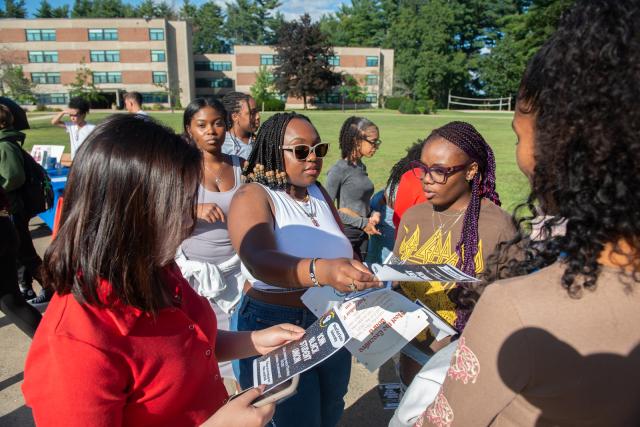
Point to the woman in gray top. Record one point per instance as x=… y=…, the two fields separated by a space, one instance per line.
x=207 y=259
x=349 y=185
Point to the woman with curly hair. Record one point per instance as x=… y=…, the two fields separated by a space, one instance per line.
x=560 y=344
x=349 y=184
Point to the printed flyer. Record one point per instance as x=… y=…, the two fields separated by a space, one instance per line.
x=321 y=340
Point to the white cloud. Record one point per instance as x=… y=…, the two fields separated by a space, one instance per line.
x=315 y=8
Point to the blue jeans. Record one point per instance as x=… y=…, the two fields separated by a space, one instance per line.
x=319 y=401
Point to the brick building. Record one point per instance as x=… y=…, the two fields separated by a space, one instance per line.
x=154 y=57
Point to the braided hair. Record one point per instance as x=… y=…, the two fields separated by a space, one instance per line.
x=233 y=102
x=401 y=167
x=265 y=164
x=483 y=185
x=351 y=132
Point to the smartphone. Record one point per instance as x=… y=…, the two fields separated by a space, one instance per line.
x=275 y=395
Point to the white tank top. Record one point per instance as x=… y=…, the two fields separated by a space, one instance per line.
x=296 y=234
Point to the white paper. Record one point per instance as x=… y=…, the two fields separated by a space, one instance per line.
x=420 y=273
x=439 y=327
x=52 y=151
x=322 y=299
x=380 y=324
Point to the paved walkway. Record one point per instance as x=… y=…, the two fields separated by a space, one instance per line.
x=363 y=406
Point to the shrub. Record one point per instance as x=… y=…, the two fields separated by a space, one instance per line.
x=157 y=107
x=393 y=102
x=273 y=105
x=408 y=106
x=41 y=107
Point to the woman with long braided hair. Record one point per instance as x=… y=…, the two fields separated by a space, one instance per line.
x=558 y=342
x=349 y=184
x=243 y=121
x=460 y=224
x=288 y=236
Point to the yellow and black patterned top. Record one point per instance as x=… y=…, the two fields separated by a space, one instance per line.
x=426 y=237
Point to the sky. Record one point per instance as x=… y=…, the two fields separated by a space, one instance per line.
x=291 y=9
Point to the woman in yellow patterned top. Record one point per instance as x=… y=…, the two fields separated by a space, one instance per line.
x=460 y=224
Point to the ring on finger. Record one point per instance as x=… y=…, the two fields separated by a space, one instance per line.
x=352 y=286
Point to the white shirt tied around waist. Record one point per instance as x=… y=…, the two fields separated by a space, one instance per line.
x=219 y=283
x=296 y=235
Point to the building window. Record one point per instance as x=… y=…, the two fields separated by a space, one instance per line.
x=371 y=98
x=105 y=56
x=45 y=78
x=372 y=61
x=372 y=80
x=334 y=60
x=212 y=66
x=159 y=77
x=214 y=83
x=156 y=34
x=103 y=34
x=158 y=56
x=43 y=56
x=269 y=60
x=154 y=98
x=41 y=35
x=52 y=98
x=107 y=77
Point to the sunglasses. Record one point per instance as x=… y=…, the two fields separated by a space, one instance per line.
x=376 y=143
x=438 y=174
x=302 y=151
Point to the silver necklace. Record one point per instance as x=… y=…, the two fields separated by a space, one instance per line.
x=311 y=213
x=441 y=226
x=216 y=177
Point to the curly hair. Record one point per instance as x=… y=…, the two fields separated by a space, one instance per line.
x=583 y=91
x=351 y=132
x=265 y=164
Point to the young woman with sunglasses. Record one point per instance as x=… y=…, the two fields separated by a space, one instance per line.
x=287 y=233
x=460 y=224
x=350 y=186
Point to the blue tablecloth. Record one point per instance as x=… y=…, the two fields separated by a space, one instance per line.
x=58 y=181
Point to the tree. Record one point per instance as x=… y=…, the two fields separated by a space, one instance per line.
x=81 y=9
x=253 y=21
x=521 y=35
x=304 y=53
x=44 y=10
x=15 y=9
x=264 y=88
x=83 y=85
x=361 y=24
x=164 y=10
x=207 y=23
x=352 y=90
x=61 y=11
x=146 y=9
x=15 y=85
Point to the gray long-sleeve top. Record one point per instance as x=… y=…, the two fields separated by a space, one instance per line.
x=350 y=186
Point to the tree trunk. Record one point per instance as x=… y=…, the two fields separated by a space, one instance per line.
x=304 y=99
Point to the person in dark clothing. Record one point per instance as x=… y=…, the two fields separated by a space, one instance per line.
x=12 y=304
x=12 y=178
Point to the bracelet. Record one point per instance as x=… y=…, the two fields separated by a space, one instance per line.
x=312 y=272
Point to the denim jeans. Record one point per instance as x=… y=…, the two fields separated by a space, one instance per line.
x=319 y=401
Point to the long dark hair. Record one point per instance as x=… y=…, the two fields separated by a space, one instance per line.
x=582 y=88
x=196 y=105
x=351 y=132
x=265 y=164
x=128 y=204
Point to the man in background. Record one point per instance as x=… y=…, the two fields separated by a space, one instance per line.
x=133 y=103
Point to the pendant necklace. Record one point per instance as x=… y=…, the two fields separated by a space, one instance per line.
x=216 y=177
x=311 y=214
x=441 y=226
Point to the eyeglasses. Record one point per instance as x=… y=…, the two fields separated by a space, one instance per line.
x=376 y=143
x=302 y=151
x=438 y=174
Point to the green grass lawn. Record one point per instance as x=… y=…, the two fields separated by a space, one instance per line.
x=398 y=131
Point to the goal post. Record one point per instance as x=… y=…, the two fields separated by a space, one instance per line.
x=479 y=103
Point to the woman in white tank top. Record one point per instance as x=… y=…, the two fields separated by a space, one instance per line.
x=288 y=239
